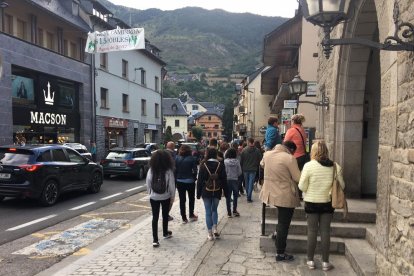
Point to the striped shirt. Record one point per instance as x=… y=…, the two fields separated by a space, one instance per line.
x=316 y=181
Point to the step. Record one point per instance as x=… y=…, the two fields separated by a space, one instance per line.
x=353 y=216
x=371 y=232
x=361 y=256
x=298 y=244
x=338 y=229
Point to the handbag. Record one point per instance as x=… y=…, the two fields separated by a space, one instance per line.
x=306 y=157
x=338 y=195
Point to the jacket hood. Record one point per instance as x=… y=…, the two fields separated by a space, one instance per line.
x=281 y=148
x=231 y=161
x=326 y=163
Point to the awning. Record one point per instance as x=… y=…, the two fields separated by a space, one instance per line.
x=282 y=95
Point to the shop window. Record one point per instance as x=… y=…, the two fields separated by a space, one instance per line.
x=103 y=60
x=22 y=88
x=177 y=123
x=8 y=24
x=157 y=110
x=125 y=103
x=104 y=98
x=124 y=69
x=157 y=87
x=67 y=95
x=144 y=107
x=40 y=37
x=59 y=155
x=21 y=29
x=143 y=77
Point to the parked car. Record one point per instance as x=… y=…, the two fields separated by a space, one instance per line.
x=44 y=172
x=196 y=148
x=151 y=146
x=80 y=148
x=126 y=161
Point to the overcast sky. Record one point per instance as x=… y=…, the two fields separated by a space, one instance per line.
x=284 y=8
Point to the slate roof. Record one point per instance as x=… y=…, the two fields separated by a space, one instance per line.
x=167 y=107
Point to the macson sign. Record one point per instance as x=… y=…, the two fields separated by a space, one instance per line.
x=47 y=118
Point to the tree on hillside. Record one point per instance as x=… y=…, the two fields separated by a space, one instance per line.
x=197 y=133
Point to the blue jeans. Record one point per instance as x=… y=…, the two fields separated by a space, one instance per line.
x=249 y=177
x=211 y=204
x=233 y=187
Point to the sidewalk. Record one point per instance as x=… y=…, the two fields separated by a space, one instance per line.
x=188 y=252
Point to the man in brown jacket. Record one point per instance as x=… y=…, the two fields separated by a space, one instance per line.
x=280 y=189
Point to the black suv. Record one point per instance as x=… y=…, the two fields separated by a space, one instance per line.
x=126 y=161
x=44 y=172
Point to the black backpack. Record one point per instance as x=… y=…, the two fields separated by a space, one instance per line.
x=213 y=183
x=159 y=184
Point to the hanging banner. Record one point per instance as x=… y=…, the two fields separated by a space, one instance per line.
x=115 y=40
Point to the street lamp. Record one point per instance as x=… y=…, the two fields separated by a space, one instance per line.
x=298 y=87
x=329 y=13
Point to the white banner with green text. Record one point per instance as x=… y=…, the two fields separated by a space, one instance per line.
x=115 y=40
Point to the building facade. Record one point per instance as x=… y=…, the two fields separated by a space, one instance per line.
x=211 y=123
x=45 y=78
x=369 y=125
x=175 y=116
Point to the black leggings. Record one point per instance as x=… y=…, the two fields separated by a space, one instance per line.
x=182 y=189
x=155 y=206
x=283 y=223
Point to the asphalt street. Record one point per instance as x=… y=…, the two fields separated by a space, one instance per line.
x=21 y=217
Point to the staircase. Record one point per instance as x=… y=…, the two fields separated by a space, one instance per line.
x=353 y=237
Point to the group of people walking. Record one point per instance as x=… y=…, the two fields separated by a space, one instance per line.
x=286 y=171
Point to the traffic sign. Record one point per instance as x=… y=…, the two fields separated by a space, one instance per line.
x=290 y=104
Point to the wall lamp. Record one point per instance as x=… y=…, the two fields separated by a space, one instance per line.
x=298 y=87
x=329 y=13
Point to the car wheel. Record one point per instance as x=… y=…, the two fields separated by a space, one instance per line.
x=141 y=173
x=96 y=182
x=50 y=193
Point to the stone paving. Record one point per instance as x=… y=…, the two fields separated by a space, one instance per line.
x=189 y=253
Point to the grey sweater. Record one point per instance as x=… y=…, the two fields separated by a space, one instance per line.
x=170 y=193
x=233 y=169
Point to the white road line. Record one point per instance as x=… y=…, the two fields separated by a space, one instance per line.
x=132 y=189
x=145 y=198
x=83 y=205
x=111 y=196
x=30 y=223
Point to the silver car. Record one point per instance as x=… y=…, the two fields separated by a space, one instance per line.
x=80 y=148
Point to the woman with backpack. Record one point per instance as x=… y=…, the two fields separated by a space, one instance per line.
x=211 y=183
x=161 y=188
x=186 y=173
x=233 y=171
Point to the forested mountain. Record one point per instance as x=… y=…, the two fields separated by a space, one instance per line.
x=198 y=40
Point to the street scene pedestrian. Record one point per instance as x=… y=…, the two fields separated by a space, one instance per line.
x=211 y=184
x=296 y=133
x=316 y=183
x=186 y=174
x=161 y=188
x=272 y=135
x=249 y=161
x=233 y=171
x=280 y=189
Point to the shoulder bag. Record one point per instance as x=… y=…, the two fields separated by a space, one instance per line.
x=338 y=195
x=307 y=157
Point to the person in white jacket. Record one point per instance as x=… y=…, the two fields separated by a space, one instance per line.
x=316 y=184
x=161 y=188
x=233 y=171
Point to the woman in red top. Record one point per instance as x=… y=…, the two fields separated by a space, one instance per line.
x=296 y=133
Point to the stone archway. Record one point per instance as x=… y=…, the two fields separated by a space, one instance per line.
x=354 y=87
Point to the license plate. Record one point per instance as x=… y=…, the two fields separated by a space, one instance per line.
x=4 y=176
x=115 y=164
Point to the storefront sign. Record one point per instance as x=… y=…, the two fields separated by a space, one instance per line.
x=115 y=40
x=152 y=127
x=312 y=89
x=47 y=118
x=116 y=123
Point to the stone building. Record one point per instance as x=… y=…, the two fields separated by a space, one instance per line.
x=370 y=125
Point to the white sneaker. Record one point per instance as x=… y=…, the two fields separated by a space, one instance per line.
x=311 y=264
x=210 y=236
x=326 y=266
x=215 y=232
